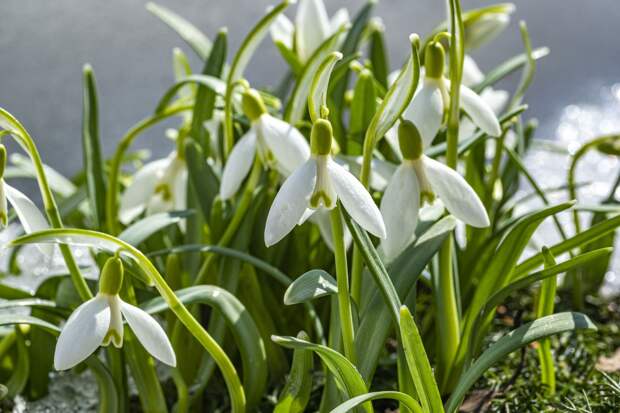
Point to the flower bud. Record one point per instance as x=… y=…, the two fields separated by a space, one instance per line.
x=434 y=60
x=111 y=278
x=485 y=27
x=3 y=157
x=252 y=104
x=409 y=140
x=321 y=137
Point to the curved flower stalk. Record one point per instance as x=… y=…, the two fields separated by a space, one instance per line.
x=99 y=322
x=420 y=179
x=311 y=28
x=159 y=186
x=277 y=144
x=318 y=184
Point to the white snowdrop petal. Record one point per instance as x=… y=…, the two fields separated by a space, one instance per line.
x=29 y=215
x=399 y=208
x=321 y=219
x=136 y=195
x=472 y=75
x=479 y=112
x=290 y=203
x=83 y=333
x=356 y=200
x=458 y=197
x=312 y=27
x=495 y=98
x=286 y=143
x=282 y=31
x=149 y=333
x=339 y=19
x=426 y=112
x=238 y=164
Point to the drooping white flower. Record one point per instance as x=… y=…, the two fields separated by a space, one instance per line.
x=312 y=27
x=485 y=27
x=159 y=186
x=277 y=143
x=318 y=184
x=419 y=179
x=99 y=322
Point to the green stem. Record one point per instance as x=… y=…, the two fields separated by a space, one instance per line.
x=545 y=306
x=51 y=209
x=342 y=279
x=115 y=165
x=240 y=212
x=448 y=321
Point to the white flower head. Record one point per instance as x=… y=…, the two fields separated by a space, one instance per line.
x=318 y=184
x=487 y=26
x=99 y=322
x=159 y=186
x=312 y=27
x=419 y=179
x=427 y=107
x=277 y=143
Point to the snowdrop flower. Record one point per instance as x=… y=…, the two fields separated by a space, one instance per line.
x=99 y=322
x=426 y=109
x=420 y=179
x=487 y=26
x=318 y=184
x=312 y=27
x=276 y=142
x=159 y=186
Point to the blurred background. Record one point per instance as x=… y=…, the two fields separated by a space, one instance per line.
x=43 y=45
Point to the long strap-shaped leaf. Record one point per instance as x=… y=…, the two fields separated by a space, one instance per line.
x=403 y=398
x=522 y=336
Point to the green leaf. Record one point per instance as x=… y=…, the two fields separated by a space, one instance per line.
x=201 y=176
x=213 y=83
x=310 y=285
x=23 y=168
x=348 y=378
x=317 y=98
x=27 y=302
x=363 y=105
x=522 y=336
x=188 y=32
x=378 y=55
x=509 y=66
x=108 y=396
x=296 y=106
x=19 y=377
x=238 y=66
x=140 y=231
x=91 y=149
x=405 y=270
x=296 y=392
x=397 y=97
x=11 y=319
x=242 y=327
x=419 y=365
x=402 y=398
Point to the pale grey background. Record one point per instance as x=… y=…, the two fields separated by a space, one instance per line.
x=43 y=45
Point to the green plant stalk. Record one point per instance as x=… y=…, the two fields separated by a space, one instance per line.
x=51 y=209
x=182 y=404
x=544 y=307
x=242 y=208
x=112 y=223
x=448 y=320
x=342 y=280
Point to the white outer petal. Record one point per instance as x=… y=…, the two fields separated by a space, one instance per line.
x=458 y=197
x=479 y=112
x=238 y=164
x=286 y=143
x=339 y=19
x=399 y=207
x=472 y=75
x=83 y=333
x=149 y=333
x=282 y=31
x=426 y=111
x=495 y=98
x=290 y=203
x=356 y=200
x=311 y=27
x=29 y=215
x=136 y=195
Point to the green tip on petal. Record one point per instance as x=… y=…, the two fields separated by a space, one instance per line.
x=2 y=159
x=252 y=104
x=111 y=278
x=410 y=140
x=434 y=60
x=321 y=137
